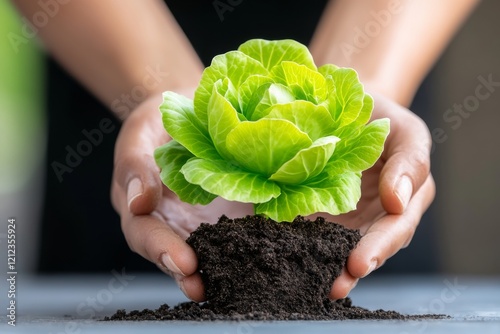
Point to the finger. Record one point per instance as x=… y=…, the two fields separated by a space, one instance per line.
x=407 y=160
x=154 y=240
x=136 y=173
x=389 y=234
x=343 y=285
x=192 y=287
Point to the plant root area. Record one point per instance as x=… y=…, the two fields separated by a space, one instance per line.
x=254 y=268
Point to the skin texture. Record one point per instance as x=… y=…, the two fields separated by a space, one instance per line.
x=395 y=192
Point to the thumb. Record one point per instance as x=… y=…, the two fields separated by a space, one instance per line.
x=137 y=176
x=407 y=162
x=136 y=181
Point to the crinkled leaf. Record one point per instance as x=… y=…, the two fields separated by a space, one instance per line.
x=331 y=194
x=228 y=91
x=181 y=122
x=272 y=53
x=327 y=69
x=273 y=95
x=307 y=163
x=361 y=152
x=263 y=146
x=247 y=93
x=230 y=182
x=366 y=111
x=315 y=120
x=305 y=83
x=171 y=157
x=354 y=129
x=346 y=101
x=234 y=65
x=222 y=118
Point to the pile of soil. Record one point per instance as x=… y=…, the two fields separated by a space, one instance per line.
x=254 y=268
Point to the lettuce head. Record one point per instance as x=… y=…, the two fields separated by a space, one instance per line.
x=269 y=127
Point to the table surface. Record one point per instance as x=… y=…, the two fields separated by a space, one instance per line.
x=74 y=304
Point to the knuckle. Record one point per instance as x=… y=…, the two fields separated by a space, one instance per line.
x=151 y=243
x=409 y=236
x=420 y=161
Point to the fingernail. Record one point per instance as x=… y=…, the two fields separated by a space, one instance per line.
x=134 y=190
x=180 y=283
x=167 y=262
x=404 y=190
x=372 y=267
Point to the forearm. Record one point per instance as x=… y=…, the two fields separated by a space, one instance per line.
x=119 y=50
x=391 y=43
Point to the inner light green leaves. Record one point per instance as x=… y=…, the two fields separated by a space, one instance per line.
x=235 y=66
x=263 y=146
x=272 y=53
x=307 y=163
x=315 y=120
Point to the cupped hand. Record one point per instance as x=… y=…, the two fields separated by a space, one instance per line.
x=396 y=192
x=154 y=221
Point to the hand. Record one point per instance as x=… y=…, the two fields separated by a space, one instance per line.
x=154 y=221
x=396 y=191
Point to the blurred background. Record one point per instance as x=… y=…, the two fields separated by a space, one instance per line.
x=65 y=222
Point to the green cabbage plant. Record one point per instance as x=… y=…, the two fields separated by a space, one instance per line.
x=268 y=127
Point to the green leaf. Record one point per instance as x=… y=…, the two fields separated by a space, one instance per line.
x=307 y=163
x=346 y=101
x=331 y=194
x=263 y=146
x=361 y=152
x=250 y=91
x=272 y=53
x=230 y=182
x=274 y=94
x=305 y=83
x=327 y=69
x=366 y=111
x=171 y=157
x=354 y=129
x=228 y=91
x=222 y=118
x=184 y=126
x=315 y=120
x=235 y=66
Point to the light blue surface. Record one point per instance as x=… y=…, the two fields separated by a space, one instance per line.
x=73 y=304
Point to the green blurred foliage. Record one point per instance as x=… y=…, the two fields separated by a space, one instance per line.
x=22 y=120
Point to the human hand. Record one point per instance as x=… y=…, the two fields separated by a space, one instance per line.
x=396 y=191
x=154 y=221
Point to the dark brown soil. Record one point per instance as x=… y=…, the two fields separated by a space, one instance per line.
x=256 y=269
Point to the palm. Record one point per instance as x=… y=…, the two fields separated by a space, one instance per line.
x=184 y=218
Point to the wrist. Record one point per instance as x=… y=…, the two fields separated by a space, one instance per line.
x=400 y=92
x=126 y=103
